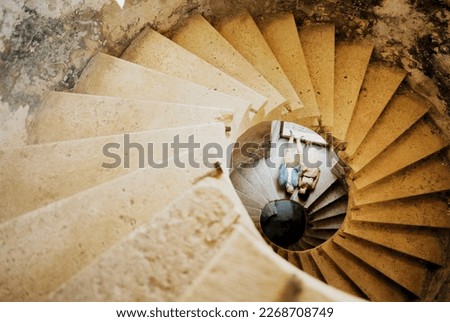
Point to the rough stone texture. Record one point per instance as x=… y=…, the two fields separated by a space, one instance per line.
x=165 y=254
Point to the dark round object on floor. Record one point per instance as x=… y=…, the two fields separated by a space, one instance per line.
x=283 y=222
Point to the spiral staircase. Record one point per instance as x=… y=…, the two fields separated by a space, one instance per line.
x=76 y=227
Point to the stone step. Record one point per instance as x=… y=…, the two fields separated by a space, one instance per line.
x=331 y=195
x=243 y=186
x=419 y=242
x=423 y=177
x=247 y=269
x=294 y=259
x=428 y=211
x=243 y=34
x=248 y=202
x=152 y=50
x=418 y=142
x=77 y=165
x=265 y=176
x=400 y=114
x=145 y=266
x=303 y=245
x=373 y=284
x=309 y=266
x=251 y=175
x=318 y=45
x=404 y=270
x=109 y=76
x=320 y=234
x=280 y=32
x=380 y=84
x=199 y=37
x=332 y=223
x=311 y=241
x=351 y=61
x=333 y=275
x=326 y=180
x=69 y=116
x=254 y=213
x=44 y=248
x=336 y=208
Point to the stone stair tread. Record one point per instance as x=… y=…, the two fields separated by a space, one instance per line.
x=331 y=195
x=418 y=142
x=152 y=50
x=280 y=32
x=110 y=76
x=423 y=177
x=404 y=270
x=401 y=113
x=265 y=177
x=302 y=244
x=336 y=208
x=251 y=269
x=81 y=164
x=70 y=116
x=254 y=213
x=309 y=266
x=427 y=210
x=66 y=232
x=329 y=223
x=197 y=224
x=248 y=202
x=322 y=234
x=251 y=175
x=373 y=284
x=199 y=37
x=351 y=61
x=312 y=241
x=294 y=259
x=243 y=34
x=380 y=83
x=333 y=275
x=418 y=242
x=318 y=43
x=242 y=185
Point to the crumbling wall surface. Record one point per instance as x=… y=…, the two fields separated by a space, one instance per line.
x=45 y=44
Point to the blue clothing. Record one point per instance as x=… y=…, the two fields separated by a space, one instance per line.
x=284 y=178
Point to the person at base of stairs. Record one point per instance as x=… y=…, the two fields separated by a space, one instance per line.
x=293 y=172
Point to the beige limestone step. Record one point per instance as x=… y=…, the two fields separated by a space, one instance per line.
x=336 y=208
x=294 y=259
x=374 y=285
x=252 y=177
x=280 y=33
x=254 y=213
x=400 y=114
x=44 y=248
x=423 y=177
x=404 y=270
x=320 y=234
x=152 y=50
x=418 y=142
x=351 y=61
x=334 y=193
x=380 y=84
x=159 y=260
x=309 y=266
x=247 y=270
x=243 y=34
x=36 y=175
x=419 y=242
x=333 y=275
x=332 y=223
x=200 y=38
x=110 y=76
x=243 y=186
x=70 y=116
x=248 y=202
x=318 y=45
x=428 y=211
x=265 y=176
